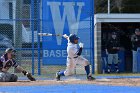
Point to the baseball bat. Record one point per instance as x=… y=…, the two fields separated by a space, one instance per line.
x=48 y=34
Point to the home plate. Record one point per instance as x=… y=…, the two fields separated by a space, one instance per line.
x=72 y=79
x=103 y=80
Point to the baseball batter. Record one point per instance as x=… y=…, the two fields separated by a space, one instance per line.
x=74 y=58
x=7 y=61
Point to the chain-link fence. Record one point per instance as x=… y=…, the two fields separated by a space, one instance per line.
x=19 y=24
x=65 y=17
x=21 y=20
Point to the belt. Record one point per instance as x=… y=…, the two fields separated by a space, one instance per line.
x=73 y=57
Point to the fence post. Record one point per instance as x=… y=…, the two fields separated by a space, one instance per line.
x=108 y=6
x=32 y=29
x=38 y=39
x=92 y=14
x=18 y=30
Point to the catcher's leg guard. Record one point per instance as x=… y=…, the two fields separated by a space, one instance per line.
x=13 y=78
x=7 y=77
x=3 y=77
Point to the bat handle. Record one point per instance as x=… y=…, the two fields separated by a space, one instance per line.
x=44 y=34
x=40 y=34
x=48 y=34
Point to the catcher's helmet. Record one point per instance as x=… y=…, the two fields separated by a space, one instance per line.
x=9 y=50
x=73 y=37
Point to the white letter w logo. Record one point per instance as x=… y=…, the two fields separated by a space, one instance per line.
x=68 y=12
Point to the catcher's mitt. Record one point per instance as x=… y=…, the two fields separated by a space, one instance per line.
x=30 y=77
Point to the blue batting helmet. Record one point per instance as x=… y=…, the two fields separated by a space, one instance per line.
x=73 y=37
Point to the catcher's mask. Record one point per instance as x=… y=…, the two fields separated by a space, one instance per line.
x=12 y=51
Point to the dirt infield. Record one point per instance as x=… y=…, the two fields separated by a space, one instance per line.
x=114 y=82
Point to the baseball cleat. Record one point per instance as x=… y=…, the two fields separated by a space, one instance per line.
x=90 y=78
x=108 y=71
x=58 y=76
x=117 y=71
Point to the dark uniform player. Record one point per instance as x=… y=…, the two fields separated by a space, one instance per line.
x=112 y=48
x=103 y=55
x=7 y=61
x=136 y=46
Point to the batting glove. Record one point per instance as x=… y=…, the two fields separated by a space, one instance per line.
x=81 y=45
x=65 y=36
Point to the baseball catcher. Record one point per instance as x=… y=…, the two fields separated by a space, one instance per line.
x=74 y=57
x=7 y=61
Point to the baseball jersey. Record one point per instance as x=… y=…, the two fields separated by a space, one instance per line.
x=5 y=64
x=135 y=44
x=112 y=43
x=72 y=50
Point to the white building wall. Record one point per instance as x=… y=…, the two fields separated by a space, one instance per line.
x=4 y=19
x=4 y=9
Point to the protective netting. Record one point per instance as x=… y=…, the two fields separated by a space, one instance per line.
x=18 y=29
x=65 y=17
x=21 y=20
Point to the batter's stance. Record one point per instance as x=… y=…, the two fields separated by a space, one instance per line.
x=7 y=61
x=74 y=58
